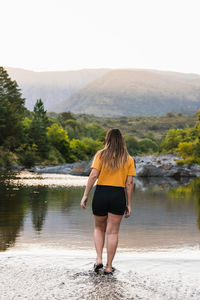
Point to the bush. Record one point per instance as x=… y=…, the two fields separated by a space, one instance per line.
x=54 y=157
x=148 y=146
x=132 y=144
x=190 y=160
x=180 y=162
x=7 y=158
x=78 y=149
x=185 y=149
x=170 y=115
x=28 y=158
x=92 y=146
x=59 y=139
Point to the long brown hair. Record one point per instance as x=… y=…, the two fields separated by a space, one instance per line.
x=114 y=154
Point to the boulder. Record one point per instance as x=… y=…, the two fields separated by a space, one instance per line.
x=146 y=166
x=79 y=168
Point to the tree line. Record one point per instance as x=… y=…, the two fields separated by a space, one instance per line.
x=28 y=138
x=185 y=142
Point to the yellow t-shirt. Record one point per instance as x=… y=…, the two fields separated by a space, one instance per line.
x=116 y=178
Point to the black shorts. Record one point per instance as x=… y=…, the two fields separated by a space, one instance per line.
x=109 y=199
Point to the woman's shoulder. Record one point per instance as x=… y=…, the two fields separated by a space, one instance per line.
x=97 y=154
x=131 y=159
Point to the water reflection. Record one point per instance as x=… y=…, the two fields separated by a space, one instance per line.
x=38 y=204
x=186 y=193
x=51 y=215
x=12 y=211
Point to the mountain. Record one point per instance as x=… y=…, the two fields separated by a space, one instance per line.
x=136 y=92
x=51 y=87
x=110 y=93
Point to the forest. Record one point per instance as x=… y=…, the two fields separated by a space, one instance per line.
x=35 y=137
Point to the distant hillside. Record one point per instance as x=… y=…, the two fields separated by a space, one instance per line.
x=136 y=92
x=51 y=87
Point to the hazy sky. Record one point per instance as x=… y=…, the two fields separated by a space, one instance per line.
x=45 y=35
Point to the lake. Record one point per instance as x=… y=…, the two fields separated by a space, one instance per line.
x=46 y=241
x=44 y=211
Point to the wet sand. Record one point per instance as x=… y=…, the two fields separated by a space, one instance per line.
x=67 y=274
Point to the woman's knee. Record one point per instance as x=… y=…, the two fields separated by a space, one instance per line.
x=100 y=223
x=113 y=224
x=111 y=230
x=101 y=228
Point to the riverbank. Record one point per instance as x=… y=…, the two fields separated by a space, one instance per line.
x=164 y=165
x=27 y=178
x=64 y=274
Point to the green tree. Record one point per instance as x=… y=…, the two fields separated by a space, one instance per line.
x=78 y=149
x=38 y=129
x=11 y=111
x=173 y=138
x=95 y=131
x=184 y=141
x=59 y=139
x=65 y=116
x=74 y=128
x=132 y=144
x=92 y=146
x=148 y=146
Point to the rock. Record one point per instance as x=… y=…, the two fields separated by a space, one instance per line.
x=12 y=167
x=160 y=171
x=146 y=166
x=79 y=168
x=16 y=167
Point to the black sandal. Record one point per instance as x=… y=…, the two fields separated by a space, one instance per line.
x=109 y=273
x=97 y=267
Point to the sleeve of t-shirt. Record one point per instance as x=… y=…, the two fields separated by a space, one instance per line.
x=96 y=164
x=131 y=170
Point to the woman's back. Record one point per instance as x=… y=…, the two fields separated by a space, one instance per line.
x=113 y=178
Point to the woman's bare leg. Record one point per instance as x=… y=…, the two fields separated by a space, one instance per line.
x=99 y=235
x=112 y=230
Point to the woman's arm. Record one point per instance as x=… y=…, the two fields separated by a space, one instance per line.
x=129 y=192
x=94 y=174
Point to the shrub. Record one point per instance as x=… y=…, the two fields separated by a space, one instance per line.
x=78 y=149
x=132 y=144
x=7 y=158
x=148 y=146
x=28 y=158
x=59 y=139
x=92 y=146
x=180 y=162
x=54 y=157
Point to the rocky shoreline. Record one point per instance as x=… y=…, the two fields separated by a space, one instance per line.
x=163 y=165
x=146 y=166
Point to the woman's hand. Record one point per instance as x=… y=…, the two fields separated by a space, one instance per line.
x=127 y=211
x=84 y=201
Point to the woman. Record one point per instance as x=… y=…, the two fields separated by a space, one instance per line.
x=114 y=168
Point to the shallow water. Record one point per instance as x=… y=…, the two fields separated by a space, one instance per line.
x=67 y=274
x=47 y=244
x=43 y=211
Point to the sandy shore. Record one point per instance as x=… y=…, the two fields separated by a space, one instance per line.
x=67 y=274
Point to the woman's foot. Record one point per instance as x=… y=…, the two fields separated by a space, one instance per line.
x=98 y=267
x=109 y=270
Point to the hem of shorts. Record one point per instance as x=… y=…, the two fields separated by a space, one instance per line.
x=112 y=212
x=116 y=213
x=99 y=215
